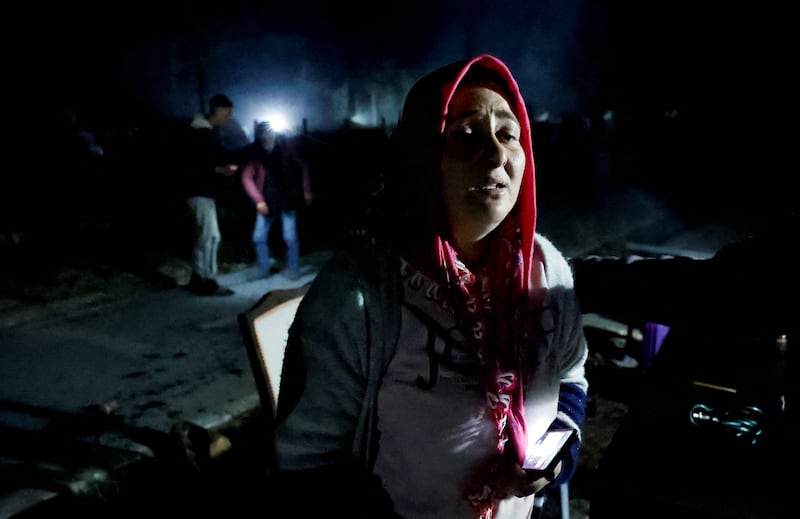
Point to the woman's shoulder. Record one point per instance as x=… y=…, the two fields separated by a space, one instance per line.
x=547 y=248
x=556 y=266
x=360 y=263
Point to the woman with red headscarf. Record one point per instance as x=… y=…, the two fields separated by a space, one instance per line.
x=426 y=359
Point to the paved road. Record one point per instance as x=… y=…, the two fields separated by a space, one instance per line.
x=132 y=371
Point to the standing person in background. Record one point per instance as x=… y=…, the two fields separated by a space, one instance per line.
x=428 y=357
x=207 y=165
x=277 y=180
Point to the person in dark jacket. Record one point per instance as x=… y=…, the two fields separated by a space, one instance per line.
x=276 y=178
x=207 y=164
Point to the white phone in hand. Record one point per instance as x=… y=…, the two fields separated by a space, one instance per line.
x=543 y=455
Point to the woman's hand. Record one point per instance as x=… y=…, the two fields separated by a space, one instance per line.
x=520 y=483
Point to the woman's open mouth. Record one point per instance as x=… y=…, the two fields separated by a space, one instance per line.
x=487 y=188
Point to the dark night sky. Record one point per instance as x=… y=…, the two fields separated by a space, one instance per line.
x=166 y=58
x=722 y=67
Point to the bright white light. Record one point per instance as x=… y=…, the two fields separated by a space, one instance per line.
x=359 y=119
x=277 y=120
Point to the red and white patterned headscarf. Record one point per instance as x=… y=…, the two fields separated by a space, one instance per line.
x=498 y=315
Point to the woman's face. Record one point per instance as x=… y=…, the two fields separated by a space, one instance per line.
x=482 y=163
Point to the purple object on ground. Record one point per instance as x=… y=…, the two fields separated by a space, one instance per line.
x=654 y=334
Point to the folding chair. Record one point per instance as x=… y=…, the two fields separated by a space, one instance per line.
x=265 y=331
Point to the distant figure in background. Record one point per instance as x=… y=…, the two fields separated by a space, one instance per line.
x=277 y=180
x=207 y=164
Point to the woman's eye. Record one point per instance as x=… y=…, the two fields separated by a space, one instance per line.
x=463 y=134
x=507 y=136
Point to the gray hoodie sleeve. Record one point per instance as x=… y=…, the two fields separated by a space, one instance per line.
x=340 y=343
